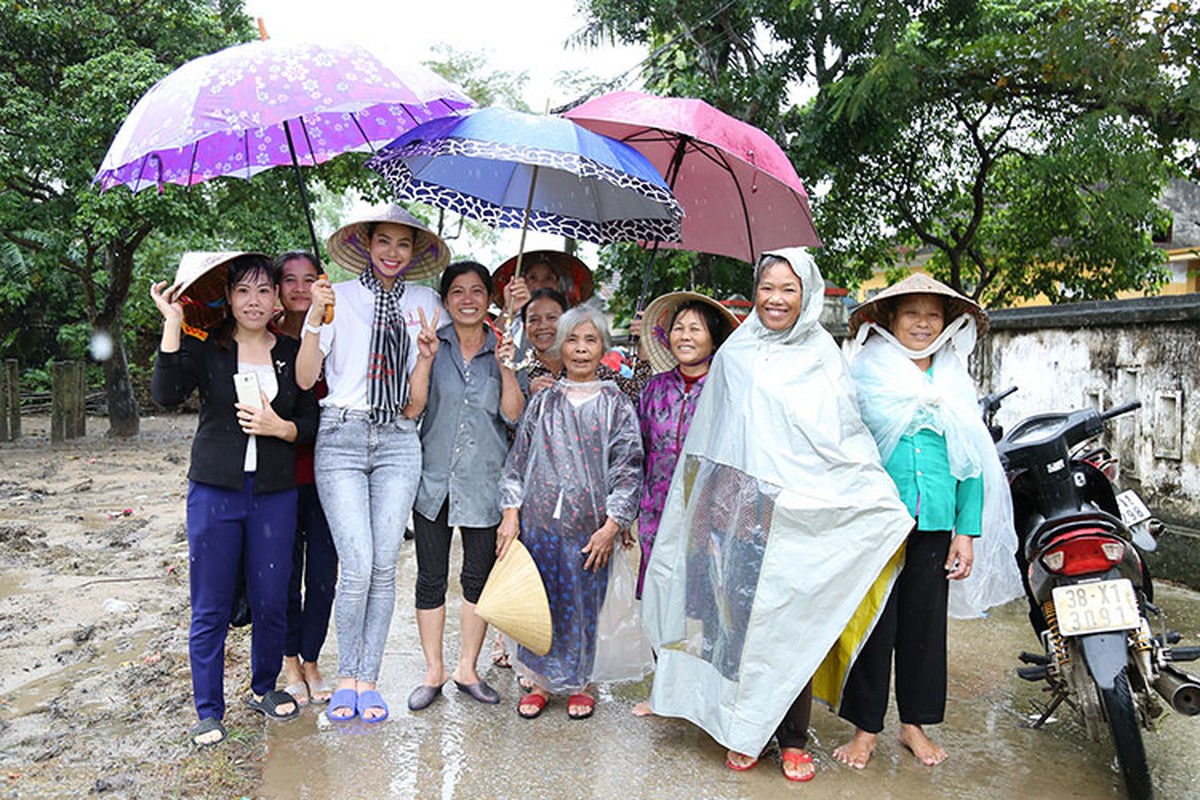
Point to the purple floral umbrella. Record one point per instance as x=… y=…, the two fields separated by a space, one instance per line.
x=268 y=103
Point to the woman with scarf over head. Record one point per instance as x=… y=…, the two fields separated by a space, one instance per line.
x=919 y=402
x=376 y=353
x=569 y=489
x=780 y=532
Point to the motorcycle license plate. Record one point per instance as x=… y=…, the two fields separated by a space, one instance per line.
x=1096 y=607
x=1133 y=510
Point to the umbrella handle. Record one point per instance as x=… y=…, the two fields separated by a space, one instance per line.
x=328 y=318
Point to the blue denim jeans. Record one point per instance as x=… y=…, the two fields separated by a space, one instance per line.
x=367 y=476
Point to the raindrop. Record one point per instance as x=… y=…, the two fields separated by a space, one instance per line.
x=101 y=346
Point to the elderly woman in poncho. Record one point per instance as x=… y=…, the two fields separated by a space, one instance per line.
x=919 y=402
x=569 y=489
x=780 y=534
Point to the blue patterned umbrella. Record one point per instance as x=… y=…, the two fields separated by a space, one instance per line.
x=513 y=170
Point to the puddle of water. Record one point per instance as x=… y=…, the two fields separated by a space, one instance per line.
x=11 y=583
x=460 y=749
x=34 y=695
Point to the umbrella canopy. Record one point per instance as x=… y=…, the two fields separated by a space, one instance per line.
x=740 y=193
x=515 y=170
x=258 y=105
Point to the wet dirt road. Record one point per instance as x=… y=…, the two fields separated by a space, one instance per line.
x=458 y=748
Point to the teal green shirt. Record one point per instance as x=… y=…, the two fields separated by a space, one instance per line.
x=937 y=500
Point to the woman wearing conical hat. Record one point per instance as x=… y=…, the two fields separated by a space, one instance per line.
x=919 y=403
x=377 y=353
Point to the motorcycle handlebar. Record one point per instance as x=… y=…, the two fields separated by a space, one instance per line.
x=1124 y=408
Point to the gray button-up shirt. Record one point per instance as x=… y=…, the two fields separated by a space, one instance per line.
x=464 y=437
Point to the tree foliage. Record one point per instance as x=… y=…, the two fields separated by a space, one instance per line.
x=1020 y=144
x=69 y=74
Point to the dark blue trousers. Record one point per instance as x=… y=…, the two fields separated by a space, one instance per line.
x=226 y=526
x=314 y=566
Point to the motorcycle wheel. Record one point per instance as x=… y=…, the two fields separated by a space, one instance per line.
x=1127 y=738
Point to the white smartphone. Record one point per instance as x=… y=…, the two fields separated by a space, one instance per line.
x=248 y=393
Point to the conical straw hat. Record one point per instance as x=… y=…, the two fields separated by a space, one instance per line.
x=349 y=244
x=514 y=600
x=201 y=278
x=877 y=309
x=656 y=324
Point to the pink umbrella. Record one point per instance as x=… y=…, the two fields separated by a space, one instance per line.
x=740 y=193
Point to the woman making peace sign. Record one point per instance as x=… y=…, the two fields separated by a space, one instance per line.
x=377 y=353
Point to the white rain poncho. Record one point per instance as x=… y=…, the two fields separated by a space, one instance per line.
x=891 y=393
x=779 y=526
x=577 y=459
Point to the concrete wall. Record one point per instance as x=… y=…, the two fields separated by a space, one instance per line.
x=1104 y=354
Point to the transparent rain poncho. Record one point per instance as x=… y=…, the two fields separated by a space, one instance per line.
x=893 y=395
x=576 y=460
x=780 y=537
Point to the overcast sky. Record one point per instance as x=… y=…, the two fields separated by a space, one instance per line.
x=515 y=37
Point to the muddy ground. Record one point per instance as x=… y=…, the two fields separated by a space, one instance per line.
x=95 y=693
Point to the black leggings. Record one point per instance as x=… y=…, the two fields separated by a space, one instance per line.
x=913 y=626
x=793 y=730
x=433 y=558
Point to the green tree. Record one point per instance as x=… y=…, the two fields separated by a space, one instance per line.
x=1023 y=144
x=69 y=74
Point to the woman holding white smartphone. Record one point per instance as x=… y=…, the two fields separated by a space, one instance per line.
x=241 y=504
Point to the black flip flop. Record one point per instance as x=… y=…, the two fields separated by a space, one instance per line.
x=206 y=725
x=270 y=703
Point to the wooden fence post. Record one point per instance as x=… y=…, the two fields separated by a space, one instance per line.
x=13 y=380
x=5 y=433
x=67 y=400
x=79 y=415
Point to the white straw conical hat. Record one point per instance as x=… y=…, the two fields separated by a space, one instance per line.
x=878 y=308
x=514 y=600
x=656 y=326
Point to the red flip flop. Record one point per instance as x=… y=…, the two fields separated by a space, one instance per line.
x=584 y=700
x=531 y=699
x=739 y=767
x=795 y=759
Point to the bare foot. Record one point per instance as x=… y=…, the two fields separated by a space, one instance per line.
x=739 y=761
x=857 y=752
x=914 y=738
x=642 y=710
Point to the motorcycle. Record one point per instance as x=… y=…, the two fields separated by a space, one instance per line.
x=1080 y=551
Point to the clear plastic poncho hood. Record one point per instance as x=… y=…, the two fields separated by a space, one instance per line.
x=780 y=536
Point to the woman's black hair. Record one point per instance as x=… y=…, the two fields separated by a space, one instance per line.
x=462 y=268
x=717 y=324
x=553 y=294
x=239 y=269
x=291 y=255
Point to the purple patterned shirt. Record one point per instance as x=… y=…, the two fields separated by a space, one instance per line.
x=665 y=409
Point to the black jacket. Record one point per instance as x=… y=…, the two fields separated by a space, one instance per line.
x=219 y=448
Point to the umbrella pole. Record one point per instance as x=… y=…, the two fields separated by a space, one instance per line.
x=521 y=247
x=312 y=233
x=672 y=176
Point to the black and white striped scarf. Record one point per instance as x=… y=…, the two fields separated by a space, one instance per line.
x=387 y=367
